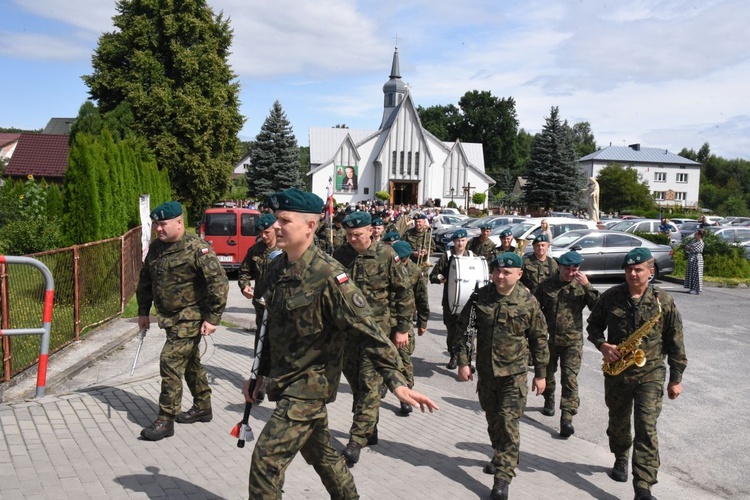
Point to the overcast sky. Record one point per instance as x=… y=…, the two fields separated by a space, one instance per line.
x=666 y=74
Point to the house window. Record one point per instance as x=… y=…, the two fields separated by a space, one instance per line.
x=660 y=177
x=682 y=177
x=680 y=196
x=659 y=195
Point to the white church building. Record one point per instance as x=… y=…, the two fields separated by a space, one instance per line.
x=400 y=157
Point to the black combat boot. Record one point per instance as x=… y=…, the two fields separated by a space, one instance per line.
x=500 y=490
x=351 y=452
x=373 y=438
x=566 y=429
x=620 y=470
x=405 y=408
x=195 y=415
x=490 y=468
x=643 y=494
x=452 y=363
x=160 y=429
x=549 y=408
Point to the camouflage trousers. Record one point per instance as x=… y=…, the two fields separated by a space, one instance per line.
x=298 y=426
x=503 y=400
x=365 y=383
x=405 y=354
x=180 y=358
x=451 y=325
x=643 y=400
x=259 y=310
x=569 y=359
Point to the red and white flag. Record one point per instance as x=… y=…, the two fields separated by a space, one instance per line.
x=329 y=201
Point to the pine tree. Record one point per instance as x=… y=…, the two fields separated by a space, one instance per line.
x=553 y=178
x=168 y=61
x=274 y=159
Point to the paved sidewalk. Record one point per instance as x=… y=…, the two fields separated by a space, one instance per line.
x=85 y=445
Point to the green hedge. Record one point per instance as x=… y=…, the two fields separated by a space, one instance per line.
x=720 y=259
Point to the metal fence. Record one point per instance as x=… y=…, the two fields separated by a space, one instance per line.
x=93 y=282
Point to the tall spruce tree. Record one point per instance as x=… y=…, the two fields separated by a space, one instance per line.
x=168 y=60
x=553 y=178
x=274 y=159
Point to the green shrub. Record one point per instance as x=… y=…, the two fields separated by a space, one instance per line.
x=383 y=195
x=658 y=238
x=452 y=204
x=720 y=259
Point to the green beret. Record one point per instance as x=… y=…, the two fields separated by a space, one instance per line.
x=637 y=255
x=419 y=216
x=507 y=259
x=570 y=259
x=357 y=219
x=402 y=248
x=506 y=233
x=166 y=211
x=377 y=221
x=486 y=226
x=339 y=217
x=265 y=221
x=541 y=238
x=459 y=233
x=391 y=236
x=296 y=200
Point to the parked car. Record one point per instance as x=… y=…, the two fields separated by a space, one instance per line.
x=734 y=235
x=495 y=221
x=450 y=211
x=648 y=226
x=442 y=236
x=603 y=251
x=529 y=228
x=442 y=220
x=688 y=229
x=679 y=221
x=733 y=221
x=231 y=232
x=567 y=215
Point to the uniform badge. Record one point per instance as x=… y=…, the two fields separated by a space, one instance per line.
x=358 y=300
x=397 y=258
x=342 y=278
x=274 y=202
x=204 y=251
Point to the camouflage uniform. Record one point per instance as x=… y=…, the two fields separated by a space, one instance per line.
x=324 y=238
x=383 y=280
x=188 y=286
x=391 y=226
x=450 y=320
x=253 y=267
x=313 y=307
x=481 y=248
x=418 y=240
x=507 y=328
x=535 y=271
x=640 y=388
x=562 y=304
x=422 y=304
x=500 y=250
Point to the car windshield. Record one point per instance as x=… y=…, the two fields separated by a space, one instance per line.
x=622 y=226
x=475 y=222
x=566 y=239
x=521 y=228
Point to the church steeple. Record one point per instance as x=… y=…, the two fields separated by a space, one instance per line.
x=394 y=90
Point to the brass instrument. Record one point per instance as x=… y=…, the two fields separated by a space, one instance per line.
x=424 y=260
x=629 y=352
x=521 y=248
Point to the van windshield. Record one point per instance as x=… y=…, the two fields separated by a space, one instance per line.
x=224 y=224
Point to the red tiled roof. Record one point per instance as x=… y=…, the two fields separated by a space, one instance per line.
x=7 y=138
x=41 y=155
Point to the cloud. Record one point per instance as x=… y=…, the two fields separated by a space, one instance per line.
x=41 y=47
x=93 y=16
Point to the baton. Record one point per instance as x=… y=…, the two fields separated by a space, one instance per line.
x=142 y=335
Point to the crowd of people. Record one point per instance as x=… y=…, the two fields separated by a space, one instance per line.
x=345 y=294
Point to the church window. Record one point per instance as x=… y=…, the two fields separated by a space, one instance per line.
x=393 y=165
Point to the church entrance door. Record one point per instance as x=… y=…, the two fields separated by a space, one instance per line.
x=404 y=193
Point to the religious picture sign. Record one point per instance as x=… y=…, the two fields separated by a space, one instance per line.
x=346 y=179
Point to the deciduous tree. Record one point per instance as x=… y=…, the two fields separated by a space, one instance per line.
x=621 y=190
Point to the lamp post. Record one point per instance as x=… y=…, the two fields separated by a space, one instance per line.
x=467 y=192
x=452 y=191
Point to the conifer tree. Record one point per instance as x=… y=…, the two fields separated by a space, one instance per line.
x=553 y=178
x=274 y=159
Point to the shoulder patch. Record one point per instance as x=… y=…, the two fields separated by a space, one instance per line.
x=205 y=250
x=358 y=300
x=397 y=258
x=342 y=278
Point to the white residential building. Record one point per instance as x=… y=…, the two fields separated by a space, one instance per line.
x=400 y=157
x=672 y=179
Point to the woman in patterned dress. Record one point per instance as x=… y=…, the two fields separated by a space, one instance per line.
x=694 y=274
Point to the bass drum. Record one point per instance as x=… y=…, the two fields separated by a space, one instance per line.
x=464 y=275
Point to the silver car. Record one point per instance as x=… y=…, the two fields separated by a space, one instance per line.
x=603 y=251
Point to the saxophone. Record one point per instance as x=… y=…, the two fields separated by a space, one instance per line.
x=629 y=352
x=521 y=248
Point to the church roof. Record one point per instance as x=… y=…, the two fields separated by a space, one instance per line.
x=325 y=141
